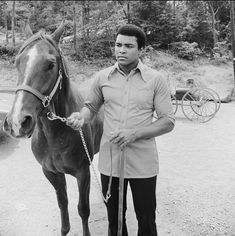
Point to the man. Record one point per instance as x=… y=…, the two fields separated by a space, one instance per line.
x=130 y=92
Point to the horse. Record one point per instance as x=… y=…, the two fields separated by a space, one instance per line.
x=44 y=86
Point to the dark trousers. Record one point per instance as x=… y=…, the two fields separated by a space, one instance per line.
x=144 y=201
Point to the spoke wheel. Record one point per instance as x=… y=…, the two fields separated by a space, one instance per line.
x=199 y=105
x=216 y=96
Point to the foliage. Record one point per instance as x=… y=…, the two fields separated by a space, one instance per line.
x=186 y=50
x=157 y=20
x=197 y=28
x=8 y=52
x=165 y=22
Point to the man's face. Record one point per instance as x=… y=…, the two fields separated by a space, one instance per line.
x=126 y=49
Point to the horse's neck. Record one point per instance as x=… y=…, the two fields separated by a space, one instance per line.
x=68 y=99
x=64 y=103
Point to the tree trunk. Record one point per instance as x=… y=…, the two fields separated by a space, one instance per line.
x=13 y=23
x=215 y=38
x=232 y=36
x=6 y=26
x=174 y=8
x=74 y=27
x=85 y=21
x=128 y=12
x=87 y=17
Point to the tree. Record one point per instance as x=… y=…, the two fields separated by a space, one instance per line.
x=197 y=28
x=13 y=23
x=74 y=27
x=157 y=19
x=214 y=7
x=5 y=15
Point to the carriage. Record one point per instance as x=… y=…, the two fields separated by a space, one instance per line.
x=197 y=104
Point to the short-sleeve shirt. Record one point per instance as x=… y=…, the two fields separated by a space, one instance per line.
x=129 y=102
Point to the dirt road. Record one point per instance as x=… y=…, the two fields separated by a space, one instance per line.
x=196 y=190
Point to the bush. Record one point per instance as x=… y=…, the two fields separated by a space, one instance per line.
x=222 y=48
x=95 y=49
x=8 y=52
x=185 y=50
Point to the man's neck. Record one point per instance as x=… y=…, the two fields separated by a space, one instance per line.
x=129 y=68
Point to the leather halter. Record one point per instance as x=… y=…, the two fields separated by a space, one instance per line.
x=45 y=99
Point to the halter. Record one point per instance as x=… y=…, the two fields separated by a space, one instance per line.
x=45 y=99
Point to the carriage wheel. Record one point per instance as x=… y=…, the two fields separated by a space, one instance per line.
x=199 y=105
x=174 y=103
x=216 y=96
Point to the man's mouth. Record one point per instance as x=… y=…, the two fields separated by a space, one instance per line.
x=122 y=58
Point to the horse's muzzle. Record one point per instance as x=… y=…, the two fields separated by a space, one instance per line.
x=23 y=128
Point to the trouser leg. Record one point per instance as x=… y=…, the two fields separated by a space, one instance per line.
x=144 y=199
x=112 y=205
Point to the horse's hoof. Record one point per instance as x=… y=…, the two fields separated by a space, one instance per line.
x=65 y=231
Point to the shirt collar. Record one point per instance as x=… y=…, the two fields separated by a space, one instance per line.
x=140 y=66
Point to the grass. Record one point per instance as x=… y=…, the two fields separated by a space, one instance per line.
x=176 y=70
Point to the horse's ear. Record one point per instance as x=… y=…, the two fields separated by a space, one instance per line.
x=58 y=32
x=27 y=30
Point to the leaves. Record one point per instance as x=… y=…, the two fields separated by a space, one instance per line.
x=164 y=22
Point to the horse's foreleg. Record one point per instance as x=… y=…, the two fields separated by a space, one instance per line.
x=83 y=180
x=59 y=183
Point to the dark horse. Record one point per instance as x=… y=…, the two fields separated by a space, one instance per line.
x=44 y=86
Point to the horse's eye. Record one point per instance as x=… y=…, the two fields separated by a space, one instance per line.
x=51 y=65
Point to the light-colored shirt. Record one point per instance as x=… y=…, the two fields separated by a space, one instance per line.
x=129 y=102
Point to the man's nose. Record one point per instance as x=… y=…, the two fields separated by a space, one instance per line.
x=122 y=49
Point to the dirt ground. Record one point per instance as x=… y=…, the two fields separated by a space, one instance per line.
x=195 y=190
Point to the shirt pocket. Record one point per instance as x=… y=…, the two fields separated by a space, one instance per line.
x=144 y=98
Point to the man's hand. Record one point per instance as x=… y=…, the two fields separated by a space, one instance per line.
x=123 y=137
x=75 y=121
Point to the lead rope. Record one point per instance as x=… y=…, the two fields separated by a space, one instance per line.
x=121 y=193
x=52 y=116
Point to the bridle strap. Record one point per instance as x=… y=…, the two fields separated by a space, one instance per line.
x=31 y=90
x=45 y=99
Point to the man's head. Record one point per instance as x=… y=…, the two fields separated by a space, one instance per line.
x=130 y=39
x=133 y=30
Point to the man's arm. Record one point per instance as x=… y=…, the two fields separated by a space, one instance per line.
x=125 y=136
x=92 y=105
x=159 y=127
x=77 y=119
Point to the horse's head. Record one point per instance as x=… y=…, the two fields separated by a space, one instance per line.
x=39 y=65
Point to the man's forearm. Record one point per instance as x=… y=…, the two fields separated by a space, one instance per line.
x=157 y=128
x=87 y=114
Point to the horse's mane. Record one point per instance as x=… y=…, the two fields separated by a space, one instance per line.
x=33 y=38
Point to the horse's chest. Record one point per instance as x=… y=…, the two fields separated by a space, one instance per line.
x=55 y=162
x=54 y=156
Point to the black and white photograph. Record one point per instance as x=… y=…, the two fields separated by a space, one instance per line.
x=117 y=118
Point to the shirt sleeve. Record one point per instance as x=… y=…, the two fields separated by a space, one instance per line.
x=95 y=98
x=162 y=99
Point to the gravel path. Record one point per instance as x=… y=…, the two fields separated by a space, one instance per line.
x=195 y=191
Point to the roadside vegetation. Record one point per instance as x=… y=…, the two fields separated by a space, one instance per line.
x=185 y=39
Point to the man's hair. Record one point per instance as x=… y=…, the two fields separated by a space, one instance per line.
x=133 y=30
